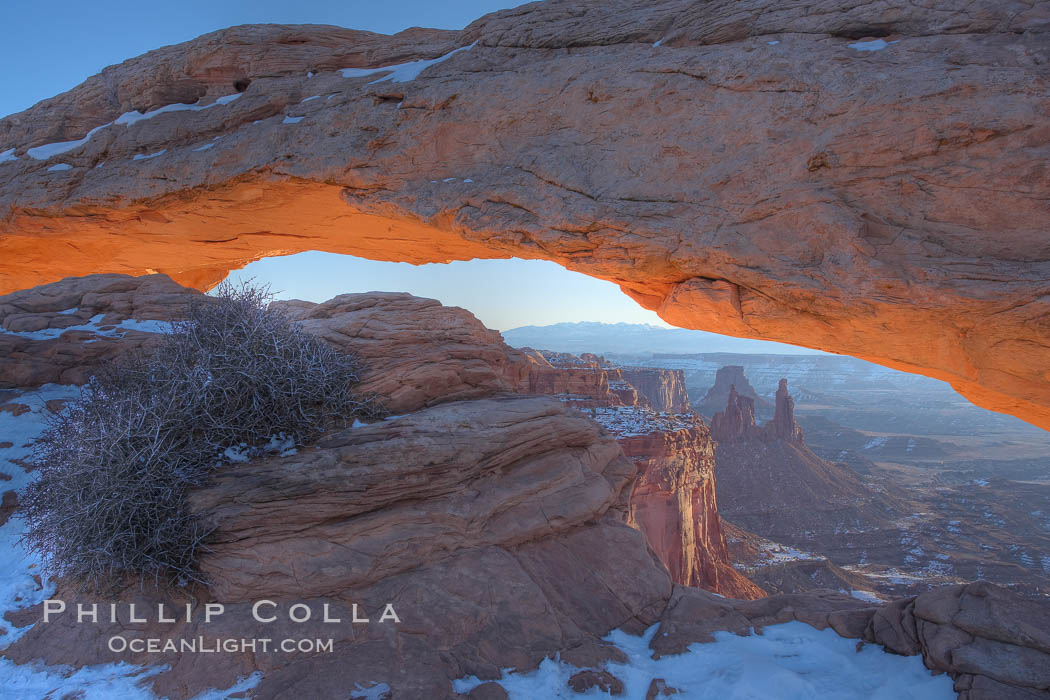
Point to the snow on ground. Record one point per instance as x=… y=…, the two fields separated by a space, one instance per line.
x=792 y=661
x=874 y=45
x=401 y=72
x=875 y=443
x=8 y=155
x=291 y=120
x=891 y=575
x=147 y=156
x=58 y=167
x=373 y=691
x=18 y=588
x=634 y=420
x=771 y=552
x=94 y=326
x=780 y=554
x=49 y=150
x=280 y=444
x=866 y=595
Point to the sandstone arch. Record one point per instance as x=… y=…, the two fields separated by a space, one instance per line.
x=752 y=174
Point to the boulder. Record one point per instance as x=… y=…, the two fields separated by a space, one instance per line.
x=416 y=352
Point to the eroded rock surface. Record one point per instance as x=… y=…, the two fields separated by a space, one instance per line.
x=994 y=644
x=415 y=352
x=867 y=178
x=62 y=332
x=374 y=501
x=674 y=503
x=731 y=380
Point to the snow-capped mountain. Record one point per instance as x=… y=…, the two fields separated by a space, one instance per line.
x=628 y=338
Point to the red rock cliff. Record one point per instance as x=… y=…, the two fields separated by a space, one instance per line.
x=675 y=505
x=674 y=501
x=727 y=379
x=664 y=389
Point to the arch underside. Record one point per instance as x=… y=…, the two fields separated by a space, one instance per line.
x=789 y=192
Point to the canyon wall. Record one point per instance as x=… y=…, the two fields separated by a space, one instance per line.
x=771 y=483
x=663 y=388
x=417 y=510
x=591 y=385
x=674 y=499
x=674 y=504
x=867 y=179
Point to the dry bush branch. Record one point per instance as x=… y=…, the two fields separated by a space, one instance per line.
x=235 y=380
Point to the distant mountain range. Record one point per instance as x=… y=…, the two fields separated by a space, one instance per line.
x=600 y=338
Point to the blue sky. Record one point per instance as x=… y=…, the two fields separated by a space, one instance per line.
x=501 y=293
x=51 y=46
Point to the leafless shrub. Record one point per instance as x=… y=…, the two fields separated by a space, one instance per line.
x=234 y=380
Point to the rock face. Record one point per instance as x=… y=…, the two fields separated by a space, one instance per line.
x=737 y=420
x=664 y=389
x=416 y=351
x=995 y=645
x=771 y=483
x=925 y=252
x=730 y=379
x=62 y=332
x=364 y=505
x=674 y=504
x=673 y=501
x=784 y=425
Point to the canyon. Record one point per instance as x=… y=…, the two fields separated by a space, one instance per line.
x=673 y=501
x=723 y=174
x=806 y=521
x=474 y=475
